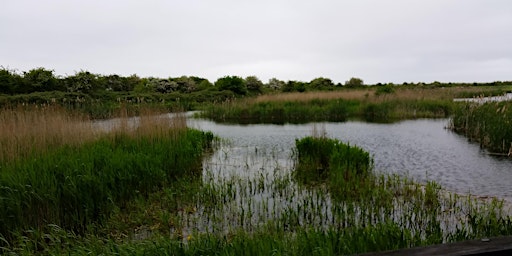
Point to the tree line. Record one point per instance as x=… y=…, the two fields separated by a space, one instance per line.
x=44 y=80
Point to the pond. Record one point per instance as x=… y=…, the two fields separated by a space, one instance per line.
x=419 y=149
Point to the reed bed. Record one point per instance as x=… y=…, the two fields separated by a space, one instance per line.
x=488 y=123
x=335 y=110
x=77 y=181
x=372 y=104
x=371 y=94
x=27 y=130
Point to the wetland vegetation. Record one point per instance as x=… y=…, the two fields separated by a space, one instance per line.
x=487 y=123
x=71 y=184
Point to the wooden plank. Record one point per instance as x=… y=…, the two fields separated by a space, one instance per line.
x=491 y=246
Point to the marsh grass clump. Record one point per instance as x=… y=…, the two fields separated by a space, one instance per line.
x=321 y=158
x=488 y=123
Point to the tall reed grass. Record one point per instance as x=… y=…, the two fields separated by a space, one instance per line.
x=79 y=178
x=28 y=130
x=490 y=124
x=366 y=104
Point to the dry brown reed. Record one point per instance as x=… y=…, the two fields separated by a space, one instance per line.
x=308 y=96
x=369 y=94
x=154 y=124
x=25 y=131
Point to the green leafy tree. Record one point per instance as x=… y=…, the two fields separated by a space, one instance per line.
x=385 y=89
x=354 y=82
x=186 y=84
x=232 y=83
x=294 y=86
x=204 y=85
x=254 y=84
x=321 y=83
x=275 y=84
x=162 y=85
x=144 y=86
x=9 y=80
x=39 y=80
x=83 y=81
x=118 y=83
x=130 y=82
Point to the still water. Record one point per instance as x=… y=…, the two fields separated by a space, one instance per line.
x=420 y=149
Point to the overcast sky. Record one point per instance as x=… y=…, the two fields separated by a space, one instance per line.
x=376 y=40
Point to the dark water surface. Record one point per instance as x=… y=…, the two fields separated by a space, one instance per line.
x=421 y=149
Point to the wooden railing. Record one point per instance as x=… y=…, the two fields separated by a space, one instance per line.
x=486 y=246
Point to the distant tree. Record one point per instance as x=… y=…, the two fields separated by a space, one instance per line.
x=9 y=80
x=275 y=84
x=294 y=86
x=39 y=80
x=385 y=89
x=130 y=82
x=254 y=84
x=204 y=85
x=321 y=83
x=186 y=84
x=233 y=83
x=144 y=86
x=354 y=82
x=112 y=82
x=83 y=81
x=162 y=85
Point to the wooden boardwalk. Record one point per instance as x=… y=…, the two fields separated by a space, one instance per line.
x=491 y=246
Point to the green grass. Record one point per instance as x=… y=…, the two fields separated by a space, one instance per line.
x=76 y=186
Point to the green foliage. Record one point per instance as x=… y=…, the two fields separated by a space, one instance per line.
x=233 y=83
x=294 y=86
x=354 y=82
x=321 y=83
x=39 y=80
x=83 y=81
x=118 y=83
x=254 y=84
x=9 y=80
x=275 y=84
x=385 y=89
x=74 y=187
